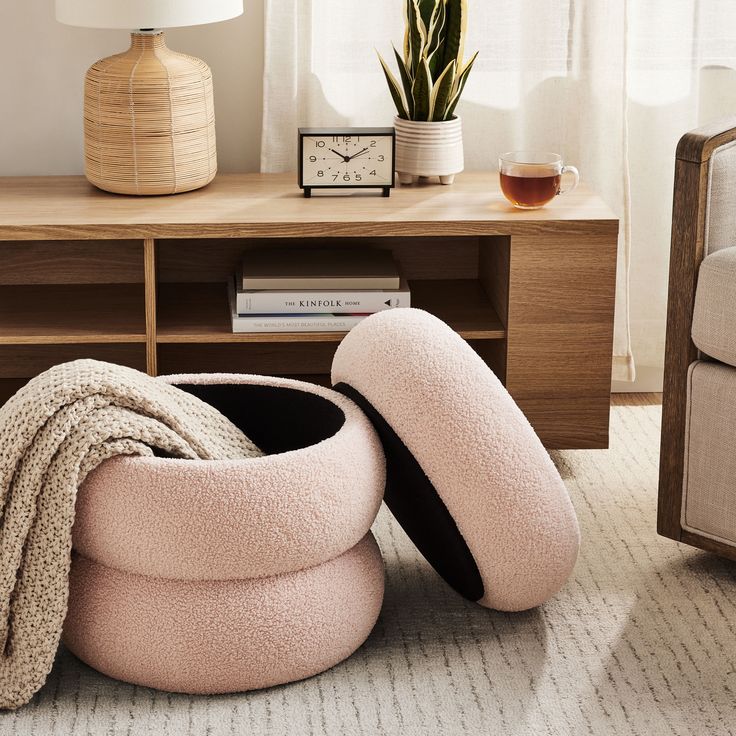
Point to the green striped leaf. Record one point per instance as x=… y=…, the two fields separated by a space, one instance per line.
x=459 y=86
x=462 y=76
x=436 y=39
x=442 y=92
x=417 y=36
x=422 y=91
x=427 y=9
x=406 y=83
x=407 y=35
x=455 y=27
x=395 y=90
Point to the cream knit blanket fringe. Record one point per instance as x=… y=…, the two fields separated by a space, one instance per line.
x=53 y=432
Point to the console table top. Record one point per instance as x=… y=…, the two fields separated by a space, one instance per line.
x=271 y=205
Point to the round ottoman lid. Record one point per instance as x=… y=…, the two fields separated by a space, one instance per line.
x=467 y=477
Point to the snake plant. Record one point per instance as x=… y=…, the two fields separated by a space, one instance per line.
x=432 y=71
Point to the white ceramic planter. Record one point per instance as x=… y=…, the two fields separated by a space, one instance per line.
x=428 y=149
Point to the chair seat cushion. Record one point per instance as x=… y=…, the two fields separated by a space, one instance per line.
x=709 y=481
x=467 y=477
x=219 y=636
x=714 y=316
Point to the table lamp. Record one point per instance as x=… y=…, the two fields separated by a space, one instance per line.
x=149 y=117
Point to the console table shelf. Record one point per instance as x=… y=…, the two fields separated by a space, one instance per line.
x=199 y=313
x=142 y=281
x=49 y=314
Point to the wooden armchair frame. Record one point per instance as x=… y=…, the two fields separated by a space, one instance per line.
x=689 y=220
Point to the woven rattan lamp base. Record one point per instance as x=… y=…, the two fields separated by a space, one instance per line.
x=149 y=120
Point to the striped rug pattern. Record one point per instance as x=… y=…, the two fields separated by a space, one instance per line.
x=641 y=641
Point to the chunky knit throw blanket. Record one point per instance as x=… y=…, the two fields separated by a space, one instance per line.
x=53 y=432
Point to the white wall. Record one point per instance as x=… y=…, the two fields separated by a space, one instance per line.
x=44 y=63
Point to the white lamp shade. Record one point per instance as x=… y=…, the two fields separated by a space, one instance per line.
x=134 y=14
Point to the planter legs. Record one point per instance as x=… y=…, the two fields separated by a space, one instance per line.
x=412 y=179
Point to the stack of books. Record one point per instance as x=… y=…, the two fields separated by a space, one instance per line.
x=313 y=290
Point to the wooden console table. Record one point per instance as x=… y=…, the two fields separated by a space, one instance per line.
x=140 y=281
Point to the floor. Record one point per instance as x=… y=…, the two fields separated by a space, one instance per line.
x=636 y=399
x=642 y=640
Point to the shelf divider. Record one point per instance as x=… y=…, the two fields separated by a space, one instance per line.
x=149 y=275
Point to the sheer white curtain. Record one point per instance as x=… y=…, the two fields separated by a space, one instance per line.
x=610 y=85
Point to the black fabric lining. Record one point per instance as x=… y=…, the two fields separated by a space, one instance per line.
x=277 y=419
x=417 y=506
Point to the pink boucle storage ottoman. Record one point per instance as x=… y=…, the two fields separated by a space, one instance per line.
x=222 y=576
x=468 y=478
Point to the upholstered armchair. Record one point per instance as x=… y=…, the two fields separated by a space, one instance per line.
x=697 y=482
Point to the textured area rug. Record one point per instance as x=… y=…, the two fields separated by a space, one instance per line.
x=642 y=640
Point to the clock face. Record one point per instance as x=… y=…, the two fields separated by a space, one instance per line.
x=347 y=160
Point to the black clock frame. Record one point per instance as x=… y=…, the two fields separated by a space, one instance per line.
x=383 y=132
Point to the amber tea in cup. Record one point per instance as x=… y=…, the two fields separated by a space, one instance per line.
x=529 y=180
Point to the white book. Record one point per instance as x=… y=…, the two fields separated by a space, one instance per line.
x=290 y=322
x=309 y=301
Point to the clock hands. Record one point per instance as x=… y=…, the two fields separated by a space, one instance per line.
x=341 y=155
x=347 y=159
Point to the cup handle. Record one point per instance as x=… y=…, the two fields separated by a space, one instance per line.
x=575 y=176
